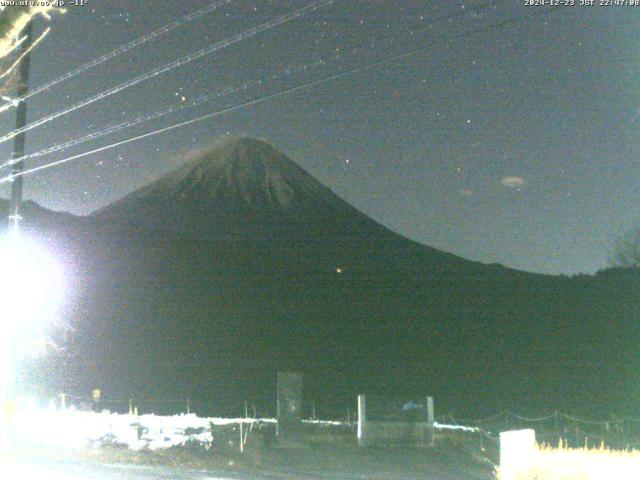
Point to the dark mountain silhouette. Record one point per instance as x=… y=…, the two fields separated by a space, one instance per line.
x=245 y=189
x=241 y=181
x=207 y=281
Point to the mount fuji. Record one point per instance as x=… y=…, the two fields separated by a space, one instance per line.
x=206 y=282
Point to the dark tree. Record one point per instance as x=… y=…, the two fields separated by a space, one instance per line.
x=626 y=250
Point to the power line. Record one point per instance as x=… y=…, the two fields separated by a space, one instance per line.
x=227 y=91
x=280 y=93
x=282 y=19
x=118 y=51
x=176 y=107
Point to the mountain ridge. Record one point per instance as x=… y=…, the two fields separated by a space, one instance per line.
x=245 y=188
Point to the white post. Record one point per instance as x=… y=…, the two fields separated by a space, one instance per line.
x=362 y=420
x=431 y=420
x=518 y=450
x=241 y=439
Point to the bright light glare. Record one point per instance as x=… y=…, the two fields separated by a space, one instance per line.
x=31 y=287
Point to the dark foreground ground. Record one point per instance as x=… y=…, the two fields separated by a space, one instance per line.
x=445 y=462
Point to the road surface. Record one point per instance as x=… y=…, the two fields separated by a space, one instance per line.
x=319 y=463
x=78 y=470
x=72 y=470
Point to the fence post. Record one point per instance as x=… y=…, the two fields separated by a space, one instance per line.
x=431 y=420
x=63 y=401
x=362 y=421
x=241 y=439
x=188 y=406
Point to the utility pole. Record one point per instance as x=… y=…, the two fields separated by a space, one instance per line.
x=14 y=219
x=21 y=121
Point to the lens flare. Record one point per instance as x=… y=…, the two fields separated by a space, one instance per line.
x=31 y=287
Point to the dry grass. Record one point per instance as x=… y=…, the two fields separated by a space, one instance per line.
x=564 y=463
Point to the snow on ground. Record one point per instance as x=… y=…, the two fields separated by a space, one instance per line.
x=462 y=428
x=42 y=432
x=74 y=429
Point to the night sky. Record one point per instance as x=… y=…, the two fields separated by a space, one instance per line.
x=517 y=145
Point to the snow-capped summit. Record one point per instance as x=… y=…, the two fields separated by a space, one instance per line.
x=241 y=182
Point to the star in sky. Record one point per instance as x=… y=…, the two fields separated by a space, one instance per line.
x=498 y=105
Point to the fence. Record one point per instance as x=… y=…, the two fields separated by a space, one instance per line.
x=159 y=406
x=552 y=429
x=556 y=428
